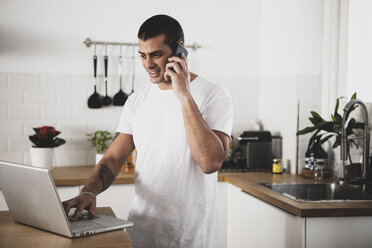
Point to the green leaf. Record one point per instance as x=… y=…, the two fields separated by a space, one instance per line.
x=332 y=128
x=338 y=118
x=323 y=140
x=58 y=142
x=350 y=110
x=56 y=134
x=313 y=120
x=333 y=118
x=305 y=130
x=337 y=142
x=99 y=140
x=359 y=125
x=35 y=140
x=36 y=130
x=325 y=126
x=316 y=116
x=336 y=114
x=337 y=104
x=353 y=125
x=337 y=128
x=312 y=139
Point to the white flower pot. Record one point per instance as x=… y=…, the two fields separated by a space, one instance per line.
x=42 y=157
x=98 y=157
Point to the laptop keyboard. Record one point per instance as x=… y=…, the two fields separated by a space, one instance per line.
x=84 y=223
x=82 y=226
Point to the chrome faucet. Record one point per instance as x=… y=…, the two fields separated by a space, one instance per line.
x=344 y=148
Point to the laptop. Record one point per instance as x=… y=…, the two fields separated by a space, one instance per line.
x=32 y=199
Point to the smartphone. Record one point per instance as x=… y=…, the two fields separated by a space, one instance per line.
x=180 y=49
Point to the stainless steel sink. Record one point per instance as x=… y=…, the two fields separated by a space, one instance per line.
x=323 y=192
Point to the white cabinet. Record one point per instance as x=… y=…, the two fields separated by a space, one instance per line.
x=254 y=223
x=264 y=225
x=222 y=213
x=118 y=197
x=67 y=192
x=339 y=232
x=234 y=213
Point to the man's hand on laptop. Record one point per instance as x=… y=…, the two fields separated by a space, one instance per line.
x=82 y=201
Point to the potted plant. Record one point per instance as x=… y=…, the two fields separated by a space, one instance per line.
x=44 y=141
x=100 y=141
x=324 y=130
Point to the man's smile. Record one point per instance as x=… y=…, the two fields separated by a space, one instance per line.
x=154 y=73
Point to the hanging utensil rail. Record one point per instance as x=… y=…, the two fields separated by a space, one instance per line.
x=88 y=42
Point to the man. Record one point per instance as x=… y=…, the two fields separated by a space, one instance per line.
x=180 y=125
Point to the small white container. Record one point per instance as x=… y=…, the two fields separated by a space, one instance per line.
x=42 y=157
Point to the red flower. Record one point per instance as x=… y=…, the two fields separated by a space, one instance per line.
x=46 y=131
x=46 y=137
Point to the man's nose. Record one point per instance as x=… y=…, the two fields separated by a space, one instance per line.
x=149 y=63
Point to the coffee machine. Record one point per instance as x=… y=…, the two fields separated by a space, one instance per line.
x=254 y=153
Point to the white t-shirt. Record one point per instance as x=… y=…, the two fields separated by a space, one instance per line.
x=175 y=203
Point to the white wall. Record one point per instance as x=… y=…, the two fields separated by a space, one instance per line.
x=46 y=69
x=358 y=57
x=247 y=46
x=291 y=43
x=48 y=35
x=290 y=69
x=359 y=73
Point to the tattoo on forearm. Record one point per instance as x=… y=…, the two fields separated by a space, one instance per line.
x=116 y=135
x=106 y=176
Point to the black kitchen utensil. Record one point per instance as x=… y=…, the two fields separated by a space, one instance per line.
x=95 y=100
x=134 y=69
x=120 y=98
x=106 y=100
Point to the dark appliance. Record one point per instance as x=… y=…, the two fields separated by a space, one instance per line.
x=254 y=153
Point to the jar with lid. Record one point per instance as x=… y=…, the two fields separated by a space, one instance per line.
x=277 y=166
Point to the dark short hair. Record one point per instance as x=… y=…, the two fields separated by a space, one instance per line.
x=162 y=24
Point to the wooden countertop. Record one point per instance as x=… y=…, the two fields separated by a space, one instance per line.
x=248 y=182
x=79 y=175
x=13 y=234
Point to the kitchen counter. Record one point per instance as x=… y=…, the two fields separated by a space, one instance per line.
x=79 y=175
x=13 y=234
x=249 y=182
x=246 y=181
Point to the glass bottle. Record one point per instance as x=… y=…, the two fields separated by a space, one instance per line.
x=316 y=156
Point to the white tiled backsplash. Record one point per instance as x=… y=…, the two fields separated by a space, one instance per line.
x=60 y=100
x=279 y=97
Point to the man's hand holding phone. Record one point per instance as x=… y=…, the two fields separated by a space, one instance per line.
x=177 y=71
